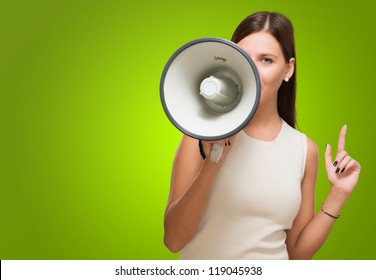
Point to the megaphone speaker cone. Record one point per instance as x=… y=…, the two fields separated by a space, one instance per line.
x=221 y=91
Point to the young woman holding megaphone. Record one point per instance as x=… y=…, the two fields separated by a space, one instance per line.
x=257 y=202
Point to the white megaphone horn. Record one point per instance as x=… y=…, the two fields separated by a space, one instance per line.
x=210 y=90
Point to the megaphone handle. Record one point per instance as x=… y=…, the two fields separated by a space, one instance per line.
x=216 y=152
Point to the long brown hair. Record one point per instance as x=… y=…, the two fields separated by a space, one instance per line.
x=281 y=28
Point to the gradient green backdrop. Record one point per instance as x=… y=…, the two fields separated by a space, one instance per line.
x=86 y=150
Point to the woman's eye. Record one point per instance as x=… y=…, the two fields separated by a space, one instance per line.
x=267 y=60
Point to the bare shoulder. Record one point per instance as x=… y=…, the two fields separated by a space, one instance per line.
x=188 y=154
x=187 y=144
x=312 y=150
x=311 y=167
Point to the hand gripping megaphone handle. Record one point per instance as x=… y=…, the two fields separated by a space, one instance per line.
x=216 y=152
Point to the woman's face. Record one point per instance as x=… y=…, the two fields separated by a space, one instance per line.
x=267 y=54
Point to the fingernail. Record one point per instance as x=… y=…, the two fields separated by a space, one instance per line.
x=343 y=169
x=335 y=163
x=337 y=170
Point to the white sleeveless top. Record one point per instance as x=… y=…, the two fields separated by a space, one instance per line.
x=255 y=198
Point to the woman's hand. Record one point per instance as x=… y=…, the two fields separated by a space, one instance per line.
x=343 y=173
x=226 y=145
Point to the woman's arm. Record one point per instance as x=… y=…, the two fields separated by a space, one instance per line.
x=309 y=232
x=191 y=182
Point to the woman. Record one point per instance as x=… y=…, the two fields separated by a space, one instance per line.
x=258 y=201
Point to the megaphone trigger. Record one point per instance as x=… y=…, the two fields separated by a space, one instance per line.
x=216 y=152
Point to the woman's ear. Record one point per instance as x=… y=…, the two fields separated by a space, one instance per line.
x=290 y=69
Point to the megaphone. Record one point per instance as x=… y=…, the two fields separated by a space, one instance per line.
x=210 y=89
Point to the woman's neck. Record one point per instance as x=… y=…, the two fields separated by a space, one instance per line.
x=265 y=124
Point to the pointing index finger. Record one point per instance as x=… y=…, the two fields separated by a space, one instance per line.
x=341 y=139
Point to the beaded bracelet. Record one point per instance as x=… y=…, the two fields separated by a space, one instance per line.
x=330 y=215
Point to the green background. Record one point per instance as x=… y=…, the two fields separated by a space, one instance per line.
x=86 y=150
